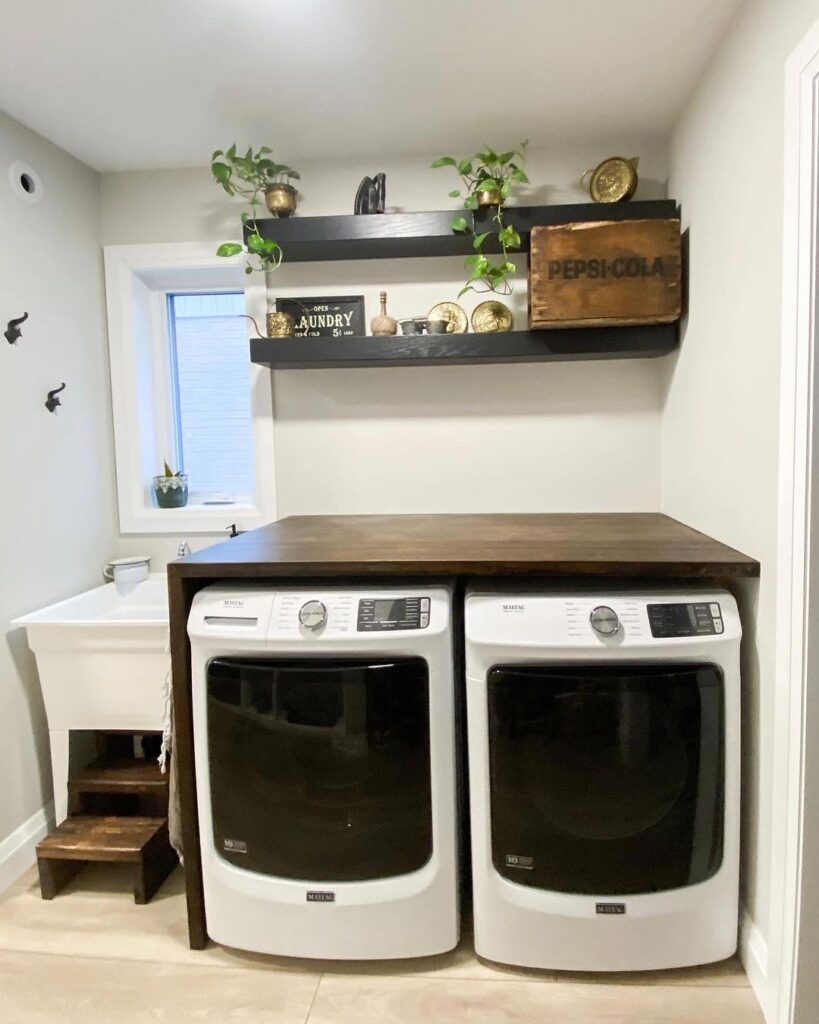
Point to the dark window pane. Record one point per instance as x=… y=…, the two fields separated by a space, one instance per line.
x=319 y=769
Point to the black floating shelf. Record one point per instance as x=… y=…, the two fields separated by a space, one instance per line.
x=398 y=235
x=464 y=349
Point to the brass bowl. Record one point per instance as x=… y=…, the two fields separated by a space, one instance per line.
x=490 y=317
x=281 y=325
x=489 y=197
x=280 y=199
x=454 y=314
x=614 y=180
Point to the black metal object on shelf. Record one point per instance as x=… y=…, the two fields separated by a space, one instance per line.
x=372 y=195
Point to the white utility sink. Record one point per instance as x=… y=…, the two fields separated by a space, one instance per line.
x=102 y=657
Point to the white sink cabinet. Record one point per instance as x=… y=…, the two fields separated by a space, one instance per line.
x=102 y=657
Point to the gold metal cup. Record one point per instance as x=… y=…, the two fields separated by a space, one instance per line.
x=281 y=325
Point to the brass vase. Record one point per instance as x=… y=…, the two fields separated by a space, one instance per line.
x=280 y=199
x=281 y=325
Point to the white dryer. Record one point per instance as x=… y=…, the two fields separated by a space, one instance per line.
x=604 y=734
x=324 y=733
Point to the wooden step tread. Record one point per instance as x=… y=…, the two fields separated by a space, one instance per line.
x=119 y=775
x=83 y=837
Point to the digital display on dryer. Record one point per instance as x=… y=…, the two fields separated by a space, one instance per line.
x=680 y=620
x=387 y=611
x=380 y=614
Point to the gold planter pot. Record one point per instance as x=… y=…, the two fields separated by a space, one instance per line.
x=281 y=325
x=489 y=197
x=280 y=199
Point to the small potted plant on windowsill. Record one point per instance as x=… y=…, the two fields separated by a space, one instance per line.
x=171 y=489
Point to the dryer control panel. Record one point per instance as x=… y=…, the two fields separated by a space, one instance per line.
x=703 y=618
x=377 y=614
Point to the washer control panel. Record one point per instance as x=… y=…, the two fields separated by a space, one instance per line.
x=672 y=620
x=380 y=614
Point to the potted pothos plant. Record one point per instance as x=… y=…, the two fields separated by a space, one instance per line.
x=488 y=180
x=260 y=180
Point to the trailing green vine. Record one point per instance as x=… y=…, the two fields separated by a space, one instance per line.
x=249 y=176
x=488 y=171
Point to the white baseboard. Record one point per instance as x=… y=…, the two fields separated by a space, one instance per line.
x=17 y=850
x=753 y=951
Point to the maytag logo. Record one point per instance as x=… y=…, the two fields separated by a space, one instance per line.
x=233 y=602
x=513 y=606
x=610 y=908
x=320 y=897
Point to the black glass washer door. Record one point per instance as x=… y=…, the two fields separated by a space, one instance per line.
x=320 y=769
x=606 y=779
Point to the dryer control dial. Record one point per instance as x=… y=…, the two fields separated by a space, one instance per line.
x=312 y=615
x=604 y=620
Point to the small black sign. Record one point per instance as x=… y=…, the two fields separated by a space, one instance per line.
x=320 y=897
x=328 y=316
x=610 y=908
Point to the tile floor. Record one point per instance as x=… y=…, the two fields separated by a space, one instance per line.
x=92 y=957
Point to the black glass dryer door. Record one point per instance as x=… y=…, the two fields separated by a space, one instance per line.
x=320 y=769
x=606 y=780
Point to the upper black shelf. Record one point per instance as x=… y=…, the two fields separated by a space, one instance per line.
x=399 y=235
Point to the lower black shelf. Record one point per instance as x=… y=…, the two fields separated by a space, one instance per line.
x=465 y=349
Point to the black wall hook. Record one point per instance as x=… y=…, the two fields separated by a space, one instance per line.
x=53 y=401
x=12 y=331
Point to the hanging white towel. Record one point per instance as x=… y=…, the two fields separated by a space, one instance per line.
x=166 y=755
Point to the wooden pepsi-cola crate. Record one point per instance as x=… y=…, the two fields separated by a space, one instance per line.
x=605 y=273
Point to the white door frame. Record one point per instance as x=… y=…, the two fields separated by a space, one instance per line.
x=797 y=644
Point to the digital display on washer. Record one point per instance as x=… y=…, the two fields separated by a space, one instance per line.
x=679 y=620
x=378 y=614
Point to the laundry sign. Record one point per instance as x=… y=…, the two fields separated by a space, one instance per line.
x=605 y=274
x=339 y=316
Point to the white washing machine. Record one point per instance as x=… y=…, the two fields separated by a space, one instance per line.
x=604 y=734
x=324 y=734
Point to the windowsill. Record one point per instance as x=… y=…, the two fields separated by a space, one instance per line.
x=192 y=518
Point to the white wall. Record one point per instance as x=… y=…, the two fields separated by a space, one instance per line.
x=556 y=436
x=720 y=423
x=57 y=520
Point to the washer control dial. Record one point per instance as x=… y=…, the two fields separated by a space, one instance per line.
x=312 y=615
x=604 y=620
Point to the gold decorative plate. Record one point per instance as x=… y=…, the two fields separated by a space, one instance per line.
x=491 y=317
x=454 y=315
x=614 y=180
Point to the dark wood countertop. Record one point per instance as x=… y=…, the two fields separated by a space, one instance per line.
x=629 y=544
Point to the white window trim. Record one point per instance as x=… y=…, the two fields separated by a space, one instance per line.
x=141 y=393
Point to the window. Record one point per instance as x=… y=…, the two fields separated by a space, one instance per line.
x=210 y=384
x=184 y=391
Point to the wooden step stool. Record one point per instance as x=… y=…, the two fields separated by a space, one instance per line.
x=117 y=778
x=118 y=808
x=142 y=842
